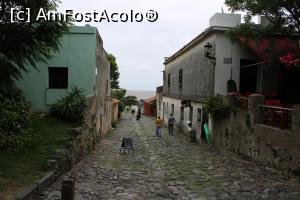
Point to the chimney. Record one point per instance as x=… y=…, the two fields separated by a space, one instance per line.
x=225 y=20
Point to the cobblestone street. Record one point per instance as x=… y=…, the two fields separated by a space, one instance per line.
x=170 y=168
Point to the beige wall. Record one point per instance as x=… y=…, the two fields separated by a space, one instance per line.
x=115 y=111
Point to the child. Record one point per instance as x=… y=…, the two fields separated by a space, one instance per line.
x=158 y=123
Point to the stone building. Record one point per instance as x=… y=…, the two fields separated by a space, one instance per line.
x=191 y=75
x=265 y=92
x=150 y=106
x=81 y=61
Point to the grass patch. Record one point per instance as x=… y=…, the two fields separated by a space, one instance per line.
x=22 y=168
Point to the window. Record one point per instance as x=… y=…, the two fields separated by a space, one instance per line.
x=159 y=103
x=180 y=78
x=167 y=111
x=106 y=87
x=169 y=80
x=58 y=77
x=191 y=114
x=172 y=109
x=199 y=115
x=182 y=113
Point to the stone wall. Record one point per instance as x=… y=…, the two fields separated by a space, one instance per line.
x=83 y=141
x=103 y=90
x=243 y=134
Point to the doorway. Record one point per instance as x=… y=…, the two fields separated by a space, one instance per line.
x=248 y=76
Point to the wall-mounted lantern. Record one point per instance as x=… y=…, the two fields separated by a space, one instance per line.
x=208 y=48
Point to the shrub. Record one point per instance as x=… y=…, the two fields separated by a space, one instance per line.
x=72 y=106
x=15 y=132
x=215 y=105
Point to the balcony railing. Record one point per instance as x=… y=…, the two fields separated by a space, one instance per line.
x=277 y=116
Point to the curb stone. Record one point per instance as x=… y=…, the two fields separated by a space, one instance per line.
x=37 y=187
x=28 y=193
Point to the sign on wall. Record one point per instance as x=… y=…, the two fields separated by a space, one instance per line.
x=228 y=61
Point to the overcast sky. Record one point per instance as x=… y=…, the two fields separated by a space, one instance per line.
x=140 y=48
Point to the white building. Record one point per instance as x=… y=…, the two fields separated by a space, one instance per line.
x=191 y=75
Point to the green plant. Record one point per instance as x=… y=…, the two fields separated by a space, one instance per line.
x=24 y=167
x=114 y=71
x=24 y=44
x=72 y=106
x=120 y=95
x=14 y=121
x=130 y=101
x=216 y=106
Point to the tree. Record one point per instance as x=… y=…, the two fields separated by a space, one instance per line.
x=120 y=95
x=284 y=15
x=130 y=100
x=23 y=44
x=284 y=18
x=114 y=71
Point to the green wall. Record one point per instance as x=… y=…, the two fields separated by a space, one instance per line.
x=78 y=53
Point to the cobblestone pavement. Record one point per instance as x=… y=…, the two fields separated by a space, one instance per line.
x=171 y=167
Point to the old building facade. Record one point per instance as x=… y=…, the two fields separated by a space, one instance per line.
x=190 y=77
x=81 y=61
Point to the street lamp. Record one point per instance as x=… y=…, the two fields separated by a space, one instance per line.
x=207 y=49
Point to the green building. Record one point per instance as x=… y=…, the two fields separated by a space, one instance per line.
x=74 y=65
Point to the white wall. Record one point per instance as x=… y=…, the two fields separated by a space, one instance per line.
x=177 y=106
x=225 y=20
x=169 y=101
x=226 y=49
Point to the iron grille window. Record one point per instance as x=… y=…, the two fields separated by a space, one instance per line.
x=181 y=113
x=106 y=86
x=199 y=115
x=180 y=78
x=58 y=77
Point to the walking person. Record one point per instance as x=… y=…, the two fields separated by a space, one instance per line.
x=171 y=122
x=158 y=123
x=139 y=114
